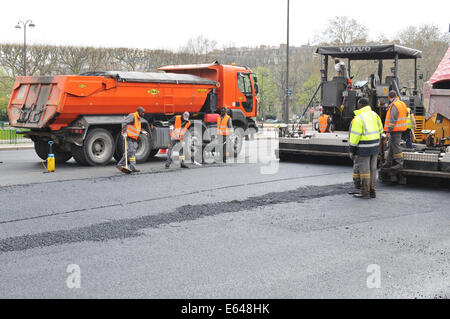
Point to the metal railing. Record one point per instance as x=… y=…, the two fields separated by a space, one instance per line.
x=8 y=135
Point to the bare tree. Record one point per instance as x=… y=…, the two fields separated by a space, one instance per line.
x=342 y=30
x=200 y=48
x=11 y=59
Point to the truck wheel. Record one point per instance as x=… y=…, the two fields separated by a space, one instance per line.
x=142 y=152
x=118 y=150
x=144 y=148
x=194 y=144
x=237 y=140
x=153 y=153
x=43 y=149
x=97 y=149
x=251 y=131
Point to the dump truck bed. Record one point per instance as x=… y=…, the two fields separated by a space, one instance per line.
x=55 y=102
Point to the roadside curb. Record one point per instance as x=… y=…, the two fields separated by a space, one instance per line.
x=16 y=147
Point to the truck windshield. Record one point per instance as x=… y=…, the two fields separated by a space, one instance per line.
x=244 y=83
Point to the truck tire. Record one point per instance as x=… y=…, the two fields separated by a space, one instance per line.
x=97 y=150
x=194 y=144
x=153 y=153
x=237 y=140
x=43 y=149
x=143 y=150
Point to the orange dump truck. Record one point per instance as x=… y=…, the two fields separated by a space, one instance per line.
x=82 y=114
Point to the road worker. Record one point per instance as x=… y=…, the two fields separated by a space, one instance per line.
x=365 y=144
x=394 y=125
x=341 y=70
x=131 y=129
x=410 y=126
x=224 y=130
x=325 y=123
x=178 y=128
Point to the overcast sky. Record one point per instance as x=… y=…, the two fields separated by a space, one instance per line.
x=169 y=24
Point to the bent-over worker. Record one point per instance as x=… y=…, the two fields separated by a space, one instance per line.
x=131 y=129
x=179 y=127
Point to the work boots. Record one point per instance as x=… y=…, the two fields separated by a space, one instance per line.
x=183 y=165
x=365 y=189
x=357 y=184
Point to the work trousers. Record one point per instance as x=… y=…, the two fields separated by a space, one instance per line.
x=368 y=173
x=131 y=154
x=223 y=150
x=172 y=144
x=395 y=154
x=356 y=176
x=406 y=136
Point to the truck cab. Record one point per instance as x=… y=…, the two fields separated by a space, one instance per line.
x=236 y=86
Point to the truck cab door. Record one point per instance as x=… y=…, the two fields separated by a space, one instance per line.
x=244 y=93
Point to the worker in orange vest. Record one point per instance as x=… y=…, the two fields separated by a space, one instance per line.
x=325 y=123
x=131 y=129
x=179 y=127
x=224 y=130
x=394 y=125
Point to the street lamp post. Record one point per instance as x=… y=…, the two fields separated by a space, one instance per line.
x=25 y=24
x=287 y=93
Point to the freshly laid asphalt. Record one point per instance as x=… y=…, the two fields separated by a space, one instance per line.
x=242 y=230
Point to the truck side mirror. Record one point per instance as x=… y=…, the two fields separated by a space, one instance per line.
x=256 y=88
x=255 y=79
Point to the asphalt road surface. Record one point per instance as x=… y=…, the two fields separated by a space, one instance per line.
x=237 y=230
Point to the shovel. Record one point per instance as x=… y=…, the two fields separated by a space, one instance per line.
x=125 y=169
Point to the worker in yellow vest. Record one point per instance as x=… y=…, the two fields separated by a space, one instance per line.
x=224 y=130
x=410 y=126
x=365 y=143
x=179 y=127
x=131 y=129
x=394 y=125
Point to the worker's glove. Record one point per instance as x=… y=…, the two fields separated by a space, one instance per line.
x=171 y=127
x=351 y=156
x=124 y=134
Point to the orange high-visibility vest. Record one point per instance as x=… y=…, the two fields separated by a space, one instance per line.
x=401 y=124
x=133 y=130
x=222 y=125
x=323 y=123
x=177 y=133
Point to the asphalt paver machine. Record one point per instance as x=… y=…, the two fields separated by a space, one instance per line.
x=339 y=99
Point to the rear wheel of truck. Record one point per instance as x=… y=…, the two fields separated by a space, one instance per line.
x=236 y=140
x=194 y=145
x=153 y=153
x=143 y=149
x=43 y=149
x=97 y=149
